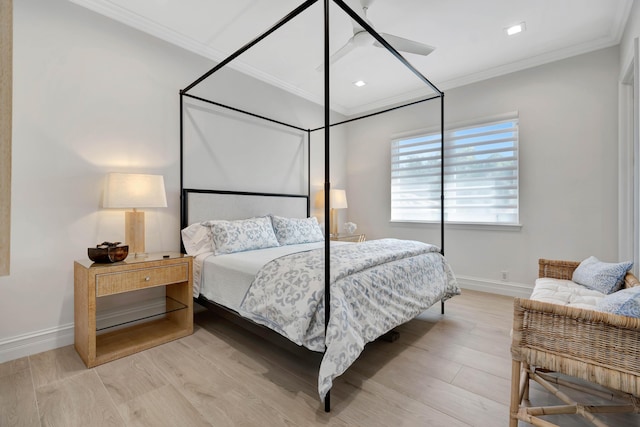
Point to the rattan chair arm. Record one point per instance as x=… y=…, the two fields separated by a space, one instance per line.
x=630 y=281
x=580 y=314
x=558 y=269
x=578 y=342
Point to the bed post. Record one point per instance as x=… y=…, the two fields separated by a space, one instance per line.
x=442 y=173
x=327 y=190
x=326 y=127
x=308 y=173
x=442 y=183
x=183 y=215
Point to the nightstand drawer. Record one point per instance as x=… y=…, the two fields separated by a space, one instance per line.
x=113 y=283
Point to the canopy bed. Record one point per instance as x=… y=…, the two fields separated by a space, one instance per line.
x=208 y=214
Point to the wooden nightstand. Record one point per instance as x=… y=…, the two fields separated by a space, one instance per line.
x=349 y=237
x=175 y=319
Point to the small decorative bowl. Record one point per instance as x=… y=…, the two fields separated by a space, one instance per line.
x=107 y=252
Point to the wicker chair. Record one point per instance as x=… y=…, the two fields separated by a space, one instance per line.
x=599 y=348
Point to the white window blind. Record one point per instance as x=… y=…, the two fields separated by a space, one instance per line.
x=480 y=177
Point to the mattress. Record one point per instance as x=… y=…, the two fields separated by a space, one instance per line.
x=225 y=279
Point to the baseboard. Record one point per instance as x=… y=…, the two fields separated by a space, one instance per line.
x=495 y=287
x=35 y=342
x=52 y=338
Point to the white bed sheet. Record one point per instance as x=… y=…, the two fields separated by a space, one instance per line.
x=225 y=279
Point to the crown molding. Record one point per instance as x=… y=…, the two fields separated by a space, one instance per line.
x=530 y=62
x=138 y=22
x=115 y=12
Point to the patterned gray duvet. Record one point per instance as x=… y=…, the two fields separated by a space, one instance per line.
x=375 y=286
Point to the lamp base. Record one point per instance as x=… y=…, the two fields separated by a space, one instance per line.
x=333 y=220
x=134 y=232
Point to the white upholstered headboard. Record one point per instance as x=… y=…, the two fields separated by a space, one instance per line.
x=203 y=205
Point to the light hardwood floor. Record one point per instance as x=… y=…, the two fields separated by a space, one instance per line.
x=450 y=370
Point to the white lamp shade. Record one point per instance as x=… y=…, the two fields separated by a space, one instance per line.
x=338 y=199
x=126 y=190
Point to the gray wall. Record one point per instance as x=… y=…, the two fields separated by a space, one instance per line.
x=92 y=96
x=568 y=170
x=631 y=32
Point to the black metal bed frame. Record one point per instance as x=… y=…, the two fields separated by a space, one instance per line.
x=327 y=126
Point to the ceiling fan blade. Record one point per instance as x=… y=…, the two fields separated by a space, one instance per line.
x=406 y=45
x=348 y=47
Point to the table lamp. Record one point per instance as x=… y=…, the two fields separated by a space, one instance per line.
x=134 y=191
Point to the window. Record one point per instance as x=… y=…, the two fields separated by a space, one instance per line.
x=480 y=176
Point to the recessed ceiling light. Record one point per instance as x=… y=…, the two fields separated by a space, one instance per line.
x=359 y=83
x=515 y=29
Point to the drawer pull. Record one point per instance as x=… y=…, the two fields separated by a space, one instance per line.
x=146 y=279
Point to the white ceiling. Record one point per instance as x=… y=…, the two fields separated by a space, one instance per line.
x=471 y=44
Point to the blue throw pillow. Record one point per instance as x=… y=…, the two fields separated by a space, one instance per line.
x=294 y=231
x=605 y=277
x=242 y=235
x=625 y=302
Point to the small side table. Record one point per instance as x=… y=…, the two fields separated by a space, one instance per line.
x=96 y=344
x=357 y=238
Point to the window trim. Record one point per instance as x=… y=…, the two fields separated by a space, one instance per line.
x=459 y=225
x=448 y=128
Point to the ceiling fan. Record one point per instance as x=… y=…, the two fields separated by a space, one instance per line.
x=362 y=38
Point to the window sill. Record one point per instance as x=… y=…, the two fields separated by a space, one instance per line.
x=460 y=225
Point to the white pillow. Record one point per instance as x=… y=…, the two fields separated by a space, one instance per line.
x=293 y=231
x=197 y=239
x=242 y=235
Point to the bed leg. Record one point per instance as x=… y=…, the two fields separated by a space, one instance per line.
x=390 y=336
x=441 y=307
x=327 y=402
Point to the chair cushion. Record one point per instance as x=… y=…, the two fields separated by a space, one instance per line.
x=565 y=292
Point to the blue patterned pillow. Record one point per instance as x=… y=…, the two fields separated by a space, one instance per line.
x=242 y=235
x=625 y=302
x=605 y=277
x=293 y=231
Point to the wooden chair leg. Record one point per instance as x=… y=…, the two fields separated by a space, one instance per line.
x=525 y=392
x=516 y=368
